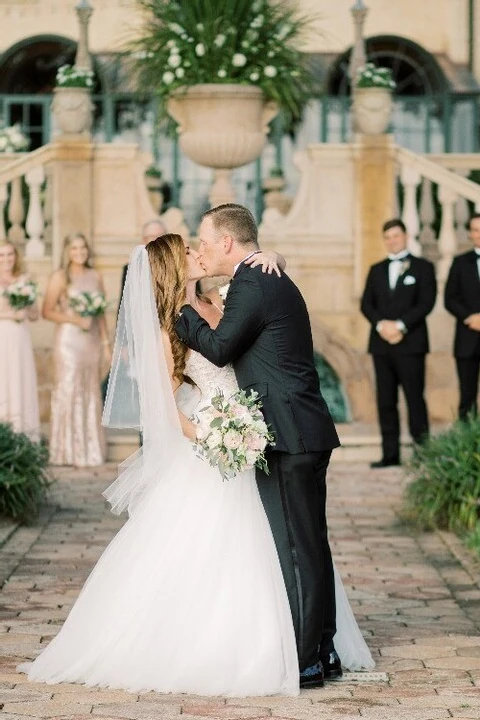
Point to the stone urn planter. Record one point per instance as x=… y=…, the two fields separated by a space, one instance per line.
x=221 y=127
x=72 y=109
x=372 y=110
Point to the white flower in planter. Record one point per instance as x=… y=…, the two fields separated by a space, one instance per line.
x=12 y=139
x=239 y=60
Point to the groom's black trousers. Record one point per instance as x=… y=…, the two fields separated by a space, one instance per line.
x=294 y=498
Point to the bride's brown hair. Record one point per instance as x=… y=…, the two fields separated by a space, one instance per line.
x=168 y=264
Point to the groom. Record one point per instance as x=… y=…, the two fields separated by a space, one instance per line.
x=265 y=333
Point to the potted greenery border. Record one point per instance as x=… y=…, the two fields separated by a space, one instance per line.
x=24 y=477
x=223 y=71
x=372 y=99
x=72 y=106
x=445 y=488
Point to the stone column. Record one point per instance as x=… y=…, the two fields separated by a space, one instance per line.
x=375 y=177
x=82 y=58
x=72 y=192
x=358 y=56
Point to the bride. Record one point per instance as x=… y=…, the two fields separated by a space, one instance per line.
x=189 y=595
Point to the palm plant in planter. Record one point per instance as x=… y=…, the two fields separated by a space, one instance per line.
x=223 y=71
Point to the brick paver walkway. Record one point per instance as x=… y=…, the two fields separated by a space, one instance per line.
x=417 y=598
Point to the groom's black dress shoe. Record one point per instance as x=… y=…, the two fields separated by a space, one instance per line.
x=312 y=677
x=332 y=667
x=394 y=462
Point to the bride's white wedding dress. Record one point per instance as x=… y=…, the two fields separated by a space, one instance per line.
x=189 y=595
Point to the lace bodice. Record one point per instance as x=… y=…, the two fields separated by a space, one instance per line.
x=208 y=377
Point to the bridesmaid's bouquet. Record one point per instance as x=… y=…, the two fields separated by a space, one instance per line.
x=232 y=433
x=87 y=304
x=21 y=294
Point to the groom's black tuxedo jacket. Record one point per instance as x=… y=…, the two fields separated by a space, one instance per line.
x=265 y=333
x=462 y=298
x=411 y=301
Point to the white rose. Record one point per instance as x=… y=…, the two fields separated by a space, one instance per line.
x=214 y=440
x=168 y=77
x=219 y=41
x=270 y=71
x=251 y=457
x=254 y=76
x=232 y=439
x=222 y=73
x=239 y=60
x=200 y=50
x=180 y=72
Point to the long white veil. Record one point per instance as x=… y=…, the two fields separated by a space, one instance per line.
x=139 y=393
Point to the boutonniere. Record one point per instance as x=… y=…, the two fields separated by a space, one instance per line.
x=404 y=267
x=223 y=291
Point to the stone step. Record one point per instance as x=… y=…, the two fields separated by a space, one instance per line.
x=359 y=443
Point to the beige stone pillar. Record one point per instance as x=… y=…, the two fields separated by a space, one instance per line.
x=374 y=200
x=72 y=192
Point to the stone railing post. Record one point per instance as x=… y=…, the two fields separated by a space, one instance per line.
x=16 y=212
x=427 y=216
x=447 y=241
x=3 y=203
x=35 y=247
x=410 y=179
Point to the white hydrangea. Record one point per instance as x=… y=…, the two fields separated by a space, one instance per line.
x=239 y=60
x=222 y=73
x=219 y=41
x=270 y=71
x=12 y=139
x=174 y=61
x=168 y=77
x=200 y=50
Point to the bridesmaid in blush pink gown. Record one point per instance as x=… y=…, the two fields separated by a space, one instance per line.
x=18 y=376
x=76 y=436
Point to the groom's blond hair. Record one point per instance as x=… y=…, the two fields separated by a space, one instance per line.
x=234 y=220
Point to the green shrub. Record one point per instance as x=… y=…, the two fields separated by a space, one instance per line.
x=24 y=476
x=445 y=490
x=473 y=538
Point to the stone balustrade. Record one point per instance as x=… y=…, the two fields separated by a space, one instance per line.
x=330 y=236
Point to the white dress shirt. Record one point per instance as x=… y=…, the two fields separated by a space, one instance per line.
x=395 y=266
x=245 y=258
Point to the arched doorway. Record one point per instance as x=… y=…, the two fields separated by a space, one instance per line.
x=415 y=70
x=436 y=102
x=27 y=78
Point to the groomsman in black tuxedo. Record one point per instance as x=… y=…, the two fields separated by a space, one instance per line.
x=399 y=294
x=462 y=299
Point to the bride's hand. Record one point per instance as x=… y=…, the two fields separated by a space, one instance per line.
x=270 y=261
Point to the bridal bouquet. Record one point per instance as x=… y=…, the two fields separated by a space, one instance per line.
x=87 y=304
x=21 y=294
x=232 y=434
